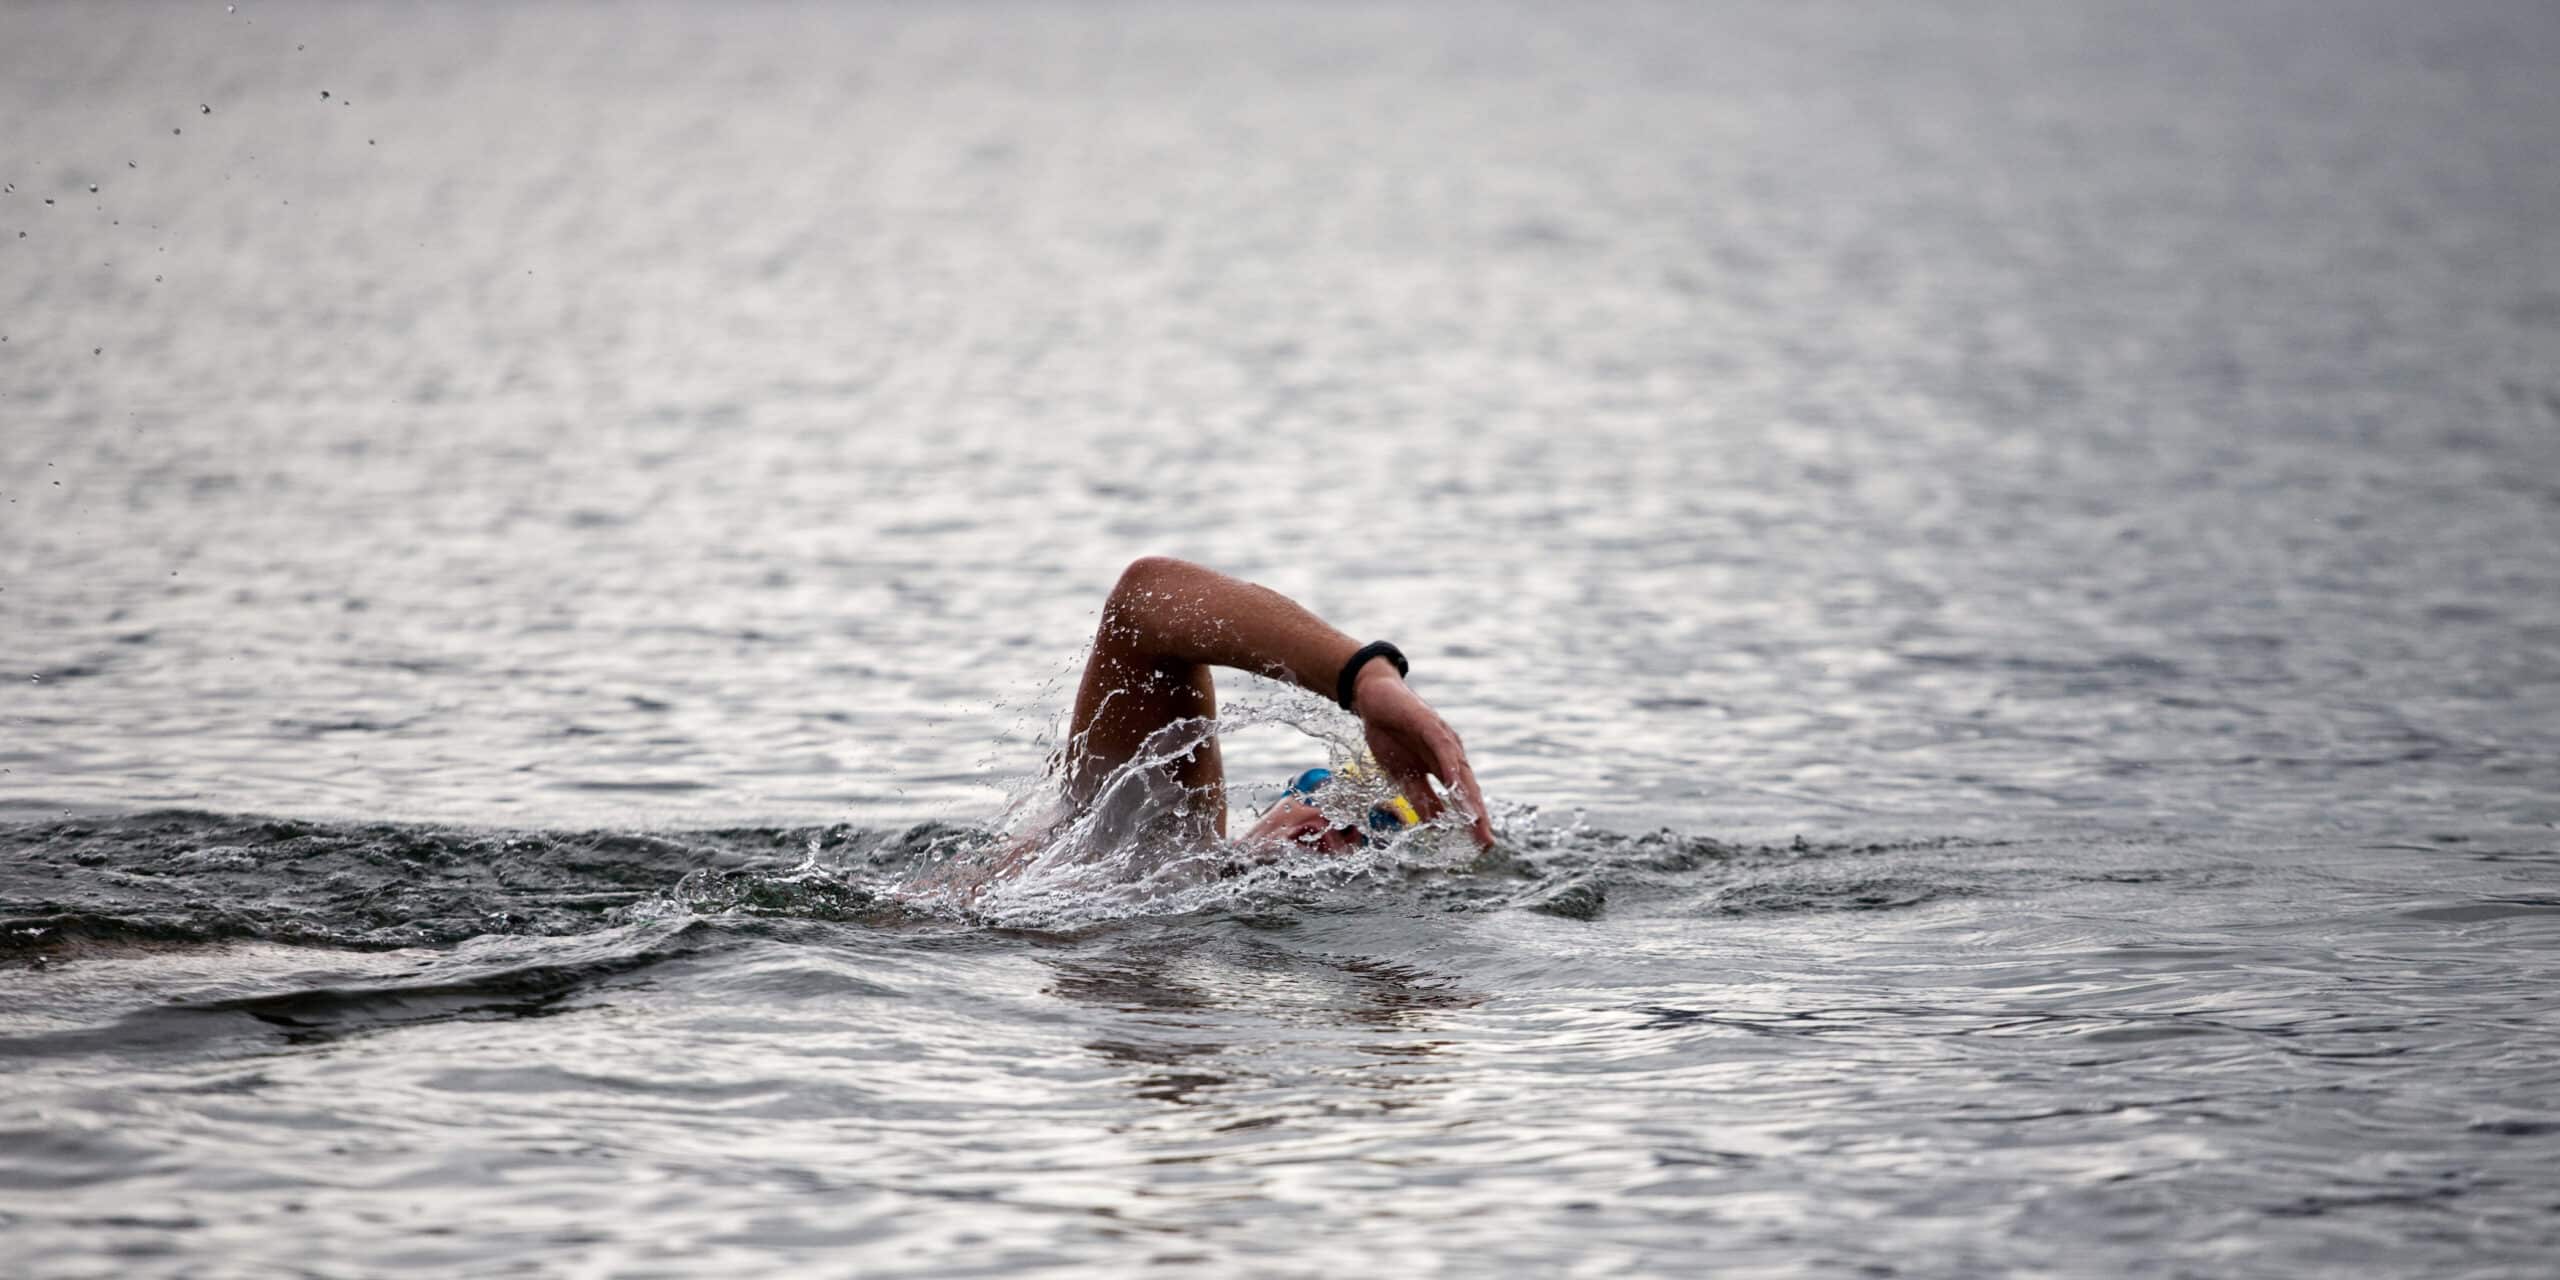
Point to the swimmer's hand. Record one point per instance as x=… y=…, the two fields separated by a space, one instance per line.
x=1414 y=745
x=1294 y=823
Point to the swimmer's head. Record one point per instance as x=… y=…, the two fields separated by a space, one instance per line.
x=1391 y=814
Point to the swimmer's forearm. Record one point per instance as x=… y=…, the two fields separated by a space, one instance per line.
x=1169 y=618
x=1179 y=612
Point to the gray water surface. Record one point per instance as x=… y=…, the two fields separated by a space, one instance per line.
x=2001 y=564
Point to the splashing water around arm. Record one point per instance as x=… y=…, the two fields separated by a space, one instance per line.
x=1168 y=621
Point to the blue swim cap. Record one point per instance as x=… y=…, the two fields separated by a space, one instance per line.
x=1391 y=815
x=1305 y=784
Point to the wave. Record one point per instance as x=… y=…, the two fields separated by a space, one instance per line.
x=183 y=877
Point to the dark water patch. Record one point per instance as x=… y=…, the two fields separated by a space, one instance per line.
x=2517 y=1128
x=80 y=669
x=456 y=987
x=2447 y=1187
x=200 y=877
x=1581 y=900
x=1854 y=893
x=352 y=724
x=2482 y=910
x=186 y=1001
x=2546 y=856
x=190 y=877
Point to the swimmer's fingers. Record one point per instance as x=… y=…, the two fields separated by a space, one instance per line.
x=1414 y=745
x=1412 y=776
x=1462 y=780
x=1449 y=765
x=1443 y=758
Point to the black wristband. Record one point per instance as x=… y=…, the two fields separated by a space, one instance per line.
x=1351 y=670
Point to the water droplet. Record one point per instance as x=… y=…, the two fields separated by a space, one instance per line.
x=231 y=8
x=93 y=188
x=177 y=131
x=155 y=279
x=48 y=199
x=368 y=142
x=324 y=95
x=297 y=48
x=204 y=109
x=95 y=351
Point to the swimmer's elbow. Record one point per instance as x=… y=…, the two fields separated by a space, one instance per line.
x=1150 y=573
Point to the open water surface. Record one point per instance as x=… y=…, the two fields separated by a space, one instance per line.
x=2000 y=564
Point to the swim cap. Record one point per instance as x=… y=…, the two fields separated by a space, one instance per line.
x=1387 y=815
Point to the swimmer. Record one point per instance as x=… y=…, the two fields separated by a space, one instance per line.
x=1167 y=622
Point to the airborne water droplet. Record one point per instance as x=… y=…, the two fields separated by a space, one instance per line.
x=206 y=109
x=324 y=95
x=93 y=188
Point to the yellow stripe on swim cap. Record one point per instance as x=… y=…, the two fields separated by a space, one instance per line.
x=1395 y=804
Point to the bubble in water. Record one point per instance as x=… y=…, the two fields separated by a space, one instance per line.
x=204 y=108
x=93 y=188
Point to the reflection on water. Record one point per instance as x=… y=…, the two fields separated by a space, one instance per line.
x=1206 y=1006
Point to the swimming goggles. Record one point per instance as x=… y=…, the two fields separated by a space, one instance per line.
x=1392 y=814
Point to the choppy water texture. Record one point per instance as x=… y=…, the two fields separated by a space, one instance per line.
x=2003 y=564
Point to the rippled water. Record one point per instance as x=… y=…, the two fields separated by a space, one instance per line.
x=2003 y=566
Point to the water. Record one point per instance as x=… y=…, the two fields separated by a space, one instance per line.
x=1999 y=563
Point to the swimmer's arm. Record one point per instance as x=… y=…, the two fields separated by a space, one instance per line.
x=1166 y=615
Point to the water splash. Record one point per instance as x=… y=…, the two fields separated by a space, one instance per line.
x=1144 y=845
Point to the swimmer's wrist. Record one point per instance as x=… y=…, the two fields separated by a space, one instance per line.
x=1375 y=668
